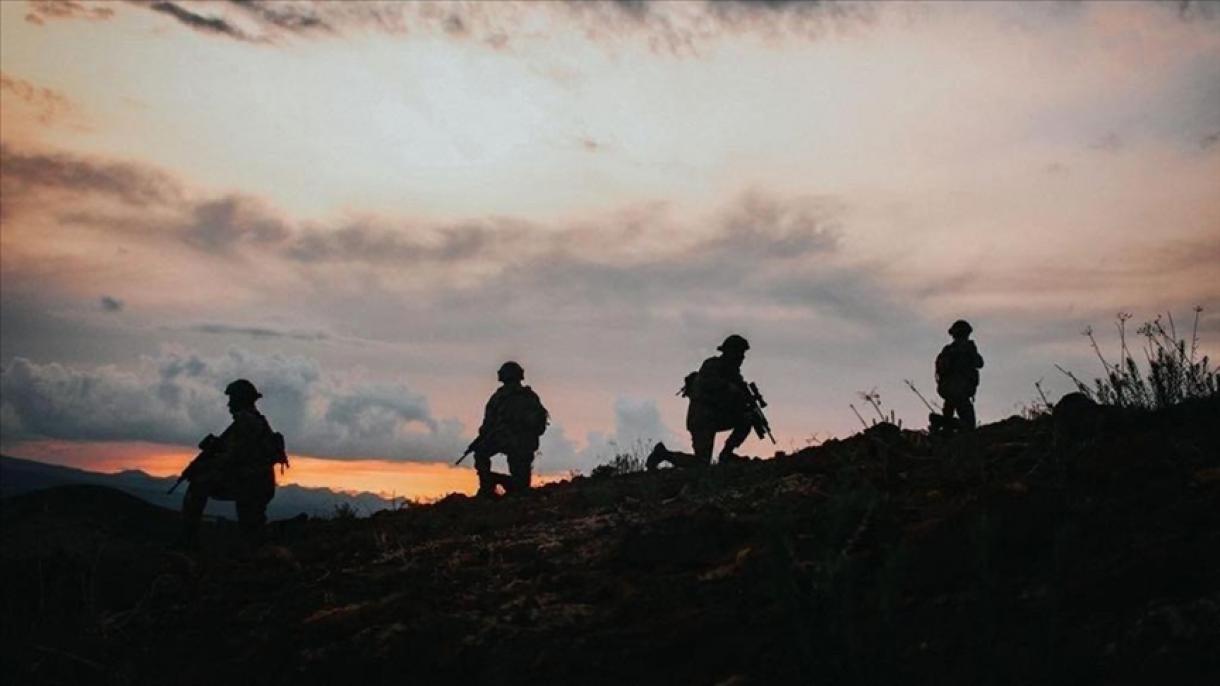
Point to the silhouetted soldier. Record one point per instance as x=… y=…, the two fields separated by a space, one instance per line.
x=719 y=401
x=239 y=465
x=957 y=375
x=513 y=421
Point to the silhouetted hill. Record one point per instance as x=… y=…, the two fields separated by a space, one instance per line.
x=22 y=476
x=1073 y=550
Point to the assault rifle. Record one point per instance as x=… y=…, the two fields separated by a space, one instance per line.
x=209 y=447
x=474 y=445
x=756 y=404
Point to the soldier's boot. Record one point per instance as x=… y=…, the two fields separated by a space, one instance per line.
x=658 y=456
x=520 y=473
x=684 y=460
x=732 y=443
x=487 y=484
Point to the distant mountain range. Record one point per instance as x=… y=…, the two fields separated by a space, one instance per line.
x=18 y=476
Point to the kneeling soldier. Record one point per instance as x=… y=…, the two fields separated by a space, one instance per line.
x=719 y=401
x=239 y=465
x=513 y=421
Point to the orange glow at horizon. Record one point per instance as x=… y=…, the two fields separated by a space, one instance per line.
x=389 y=479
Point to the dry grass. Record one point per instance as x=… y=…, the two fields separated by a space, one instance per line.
x=1172 y=370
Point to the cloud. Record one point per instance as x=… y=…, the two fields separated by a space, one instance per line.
x=177 y=397
x=50 y=105
x=610 y=251
x=221 y=225
x=752 y=246
x=110 y=304
x=42 y=10
x=675 y=28
x=1194 y=10
x=289 y=17
x=134 y=184
x=637 y=427
x=258 y=332
x=199 y=22
x=370 y=243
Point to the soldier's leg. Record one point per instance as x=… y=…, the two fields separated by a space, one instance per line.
x=487 y=478
x=950 y=409
x=953 y=414
x=702 y=442
x=193 y=502
x=965 y=410
x=520 y=469
x=739 y=435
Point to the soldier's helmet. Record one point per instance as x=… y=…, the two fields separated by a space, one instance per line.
x=734 y=344
x=960 y=327
x=511 y=371
x=242 y=390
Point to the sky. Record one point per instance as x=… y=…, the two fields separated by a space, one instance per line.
x=366 y=208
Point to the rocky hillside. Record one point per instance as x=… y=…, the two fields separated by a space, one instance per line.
x=1081 y=548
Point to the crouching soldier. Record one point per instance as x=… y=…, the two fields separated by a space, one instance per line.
x=238 y=465
x=957 y=379
x=719 y=401
x=513 y=421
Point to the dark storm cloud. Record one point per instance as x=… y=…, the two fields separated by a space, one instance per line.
x=199 y=22
x=258 y=332
x=42 y=10
x=177 y=397
x=29 y=173
x=109 y=304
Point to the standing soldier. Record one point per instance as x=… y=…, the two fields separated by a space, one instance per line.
x=239 y=465
x=957 y=375
x=513 y=421
x=719 y=401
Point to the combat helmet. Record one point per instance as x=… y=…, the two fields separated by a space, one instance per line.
x=961 y=327
x=734 y=343
x=510 y=371
x=242 y=390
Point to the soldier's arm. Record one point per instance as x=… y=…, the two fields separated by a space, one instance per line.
x=489 y=416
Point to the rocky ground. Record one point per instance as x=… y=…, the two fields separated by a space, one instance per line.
x=1079 y=549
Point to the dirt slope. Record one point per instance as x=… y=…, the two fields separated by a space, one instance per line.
x=1026 y=552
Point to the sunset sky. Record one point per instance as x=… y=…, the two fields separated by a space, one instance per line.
x=366 y=208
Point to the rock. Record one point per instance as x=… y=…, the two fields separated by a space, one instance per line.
x=1076 y=418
